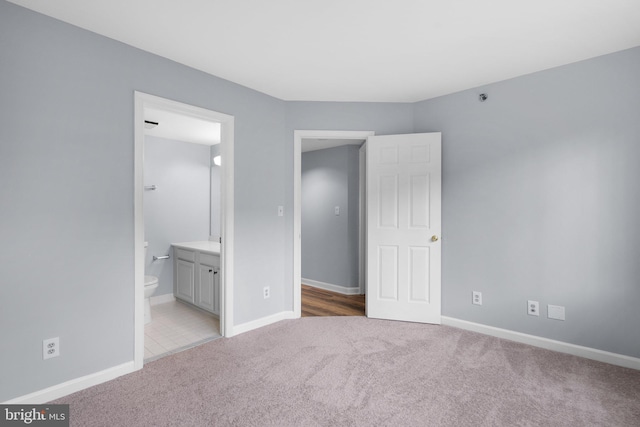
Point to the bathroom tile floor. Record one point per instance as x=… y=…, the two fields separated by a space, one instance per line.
x=175 y=327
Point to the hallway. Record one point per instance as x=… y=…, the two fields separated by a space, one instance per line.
x=320 y=302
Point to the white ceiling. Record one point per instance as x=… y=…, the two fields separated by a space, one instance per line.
x=182 y=128
x=313 y=144
x=361 y=50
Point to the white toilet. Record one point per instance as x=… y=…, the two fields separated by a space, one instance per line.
x=150 y=286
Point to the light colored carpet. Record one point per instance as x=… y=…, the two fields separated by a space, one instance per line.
x=354 y=371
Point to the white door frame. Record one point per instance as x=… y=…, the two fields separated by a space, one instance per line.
x=298 y=136
x=362 y=215
x=142 y=101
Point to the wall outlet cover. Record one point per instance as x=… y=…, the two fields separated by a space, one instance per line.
x=555 y=312
x=476 y=298
x=533 y=308
x=50 y=348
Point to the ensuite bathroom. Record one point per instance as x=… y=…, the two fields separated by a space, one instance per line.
x=181 y=232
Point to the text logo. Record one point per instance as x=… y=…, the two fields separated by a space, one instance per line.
x=34 y=415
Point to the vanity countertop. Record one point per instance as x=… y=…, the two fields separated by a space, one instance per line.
x=202 y=246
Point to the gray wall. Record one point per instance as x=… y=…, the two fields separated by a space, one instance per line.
x=330 y=242
x=66 y=167
x=178 y=210
x=540 y=201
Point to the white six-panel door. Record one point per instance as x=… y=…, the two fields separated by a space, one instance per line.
x=403 y=227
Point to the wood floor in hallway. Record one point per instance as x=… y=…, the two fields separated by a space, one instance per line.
x=319 y=302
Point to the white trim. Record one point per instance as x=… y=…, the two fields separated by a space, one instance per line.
x=66 y=388
x=142 y=101
x=138 y=232
x=162 y=299
x=331 y=287
x=298 y=135
x=227 y=215
x=263 y=321
x=362 y=215
x=562 y=347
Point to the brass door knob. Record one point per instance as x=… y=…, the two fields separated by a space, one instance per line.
x=434 y=238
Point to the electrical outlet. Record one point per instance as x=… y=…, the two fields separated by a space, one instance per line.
x=555 y=312
x=51 y=348
x=477 y=298
x=280 y=210
x=266 y=292
x=533 y=308
x=337 y=210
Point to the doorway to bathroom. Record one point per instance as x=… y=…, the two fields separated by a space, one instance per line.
x=329 y=218
x=183 y=195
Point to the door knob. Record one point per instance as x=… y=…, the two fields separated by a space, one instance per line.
x=434 y=238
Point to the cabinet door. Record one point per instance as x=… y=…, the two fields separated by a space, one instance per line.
x=205 y=295
x=185 y=278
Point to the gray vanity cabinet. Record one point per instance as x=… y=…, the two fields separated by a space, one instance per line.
x=184 y=271
x=197 y=278
x=208 y=289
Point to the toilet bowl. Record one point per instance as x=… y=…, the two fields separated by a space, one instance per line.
x=150 y=286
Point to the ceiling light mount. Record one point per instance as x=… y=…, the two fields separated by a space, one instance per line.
x=483 y=97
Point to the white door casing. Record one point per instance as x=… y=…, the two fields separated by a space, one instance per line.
x=142 y=101
x=404 y=181
x=362 y=229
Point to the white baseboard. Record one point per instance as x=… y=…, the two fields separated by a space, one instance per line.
x=562 y=347
x=264 y=321
x=72 y=386
x=331 y=287
x=161 y=299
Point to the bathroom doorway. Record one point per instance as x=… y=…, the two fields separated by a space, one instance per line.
x=222 y=234
x=181 y=204
x=332 y=174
